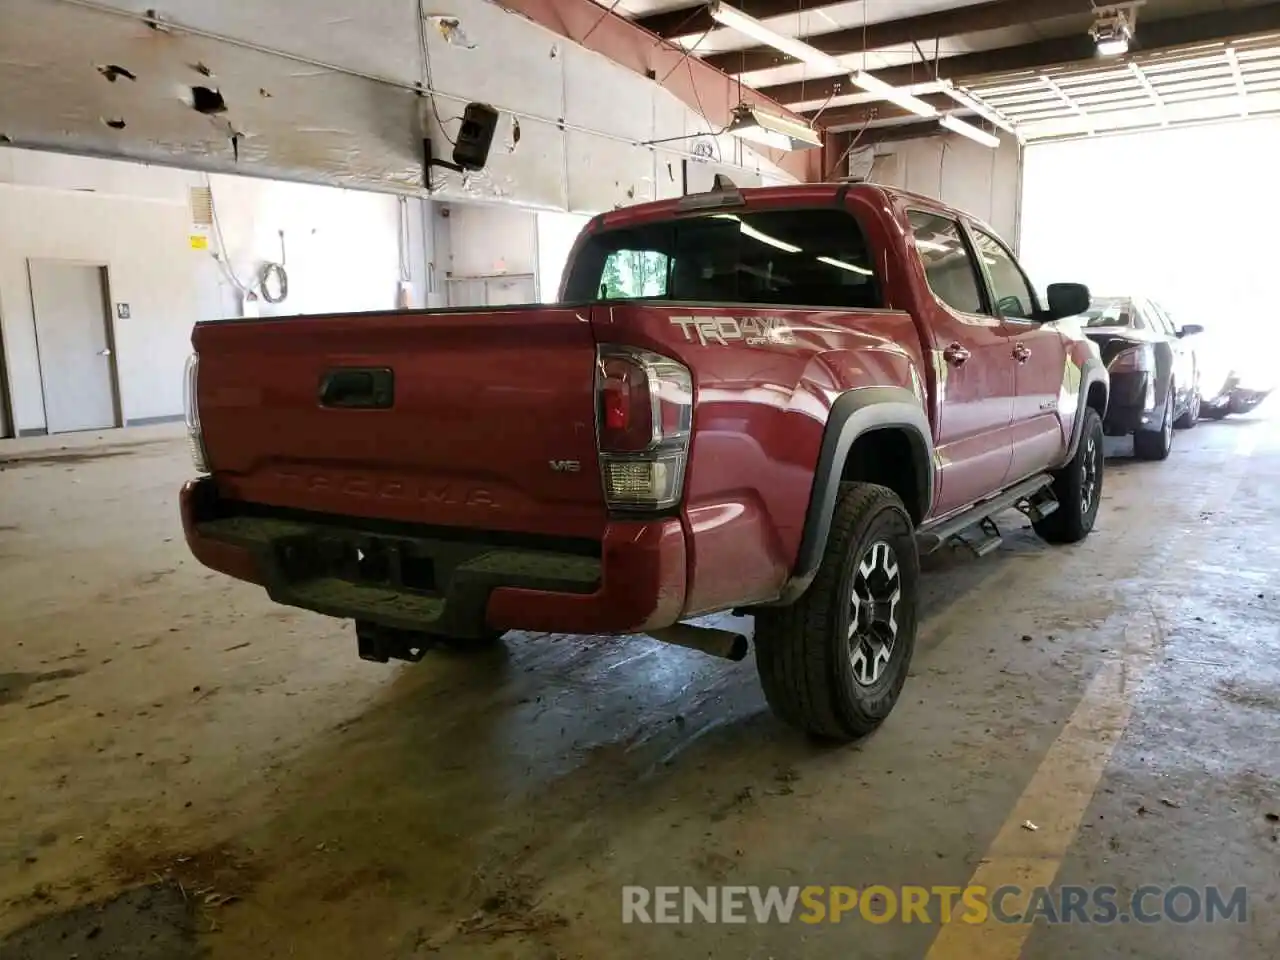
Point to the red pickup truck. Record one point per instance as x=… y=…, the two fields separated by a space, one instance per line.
x=769 y=401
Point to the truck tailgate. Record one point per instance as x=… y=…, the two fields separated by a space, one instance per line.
x=482 y=420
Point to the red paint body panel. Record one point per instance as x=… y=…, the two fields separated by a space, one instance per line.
x=491 y=406
x=483 y=402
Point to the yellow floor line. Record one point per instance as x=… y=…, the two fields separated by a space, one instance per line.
x=1063 y=785
x=1055 y=801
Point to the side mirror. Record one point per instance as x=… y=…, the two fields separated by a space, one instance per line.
x=1190 y=330
x=1067 y=300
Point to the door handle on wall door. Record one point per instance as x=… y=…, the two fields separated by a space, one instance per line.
x=955 y=354
x=1021 y=352
x=104 y=353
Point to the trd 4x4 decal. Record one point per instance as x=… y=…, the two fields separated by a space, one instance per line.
x=753 y=331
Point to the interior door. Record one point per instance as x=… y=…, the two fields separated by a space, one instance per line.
x=972 y=363
x=1039 y=431
x=74 y=344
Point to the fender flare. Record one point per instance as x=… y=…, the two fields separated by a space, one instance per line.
x=856 y=412
x=1091 y=371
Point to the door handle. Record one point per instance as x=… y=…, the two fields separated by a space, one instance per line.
x=104 y=353
x=956 y=354
x=1021 y=352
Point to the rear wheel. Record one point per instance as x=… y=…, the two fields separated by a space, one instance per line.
x=1078 y=487
x=1215 y=413
x=1192 y=415
x=1156 y=444
x=834 y=662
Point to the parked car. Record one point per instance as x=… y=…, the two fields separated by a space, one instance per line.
x=1155 y=383
x=1249 y=380
x=768 y=401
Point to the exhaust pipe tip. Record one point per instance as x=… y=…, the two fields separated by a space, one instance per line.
x=725 y=644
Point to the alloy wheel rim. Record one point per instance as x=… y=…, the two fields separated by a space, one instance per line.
x=1089 y=484
x=873 y=612
x=1167 y=427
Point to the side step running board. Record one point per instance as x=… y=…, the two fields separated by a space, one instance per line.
x=930 y=538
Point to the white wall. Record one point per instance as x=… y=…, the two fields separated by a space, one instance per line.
x=956 y=170
x=143 y=243
x=342 y=248
x=556 y=235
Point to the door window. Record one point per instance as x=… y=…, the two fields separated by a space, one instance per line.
x=1163 y=323
x=1009 y=288
x=948 y=266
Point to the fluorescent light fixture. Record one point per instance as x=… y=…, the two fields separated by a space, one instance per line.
x=936 y=247
x=1113 y=48
x=780 y=133
x=832 y=261
x=735 y=19
x=893 y=94
x=956 y=125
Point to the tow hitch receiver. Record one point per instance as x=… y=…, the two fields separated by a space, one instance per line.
x=379 y=644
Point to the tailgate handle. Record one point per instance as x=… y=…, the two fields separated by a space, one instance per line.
x=358 y=388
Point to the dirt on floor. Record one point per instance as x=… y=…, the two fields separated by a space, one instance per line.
x=187 y=770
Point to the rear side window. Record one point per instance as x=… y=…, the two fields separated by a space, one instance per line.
x=950 y=270
x=810 y=257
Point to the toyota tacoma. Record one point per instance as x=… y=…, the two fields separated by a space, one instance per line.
x=769 y=401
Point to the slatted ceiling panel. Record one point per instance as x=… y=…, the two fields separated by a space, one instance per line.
x=1195 y=84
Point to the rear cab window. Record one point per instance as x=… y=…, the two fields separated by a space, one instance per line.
x=810 y=257
x=949 y=267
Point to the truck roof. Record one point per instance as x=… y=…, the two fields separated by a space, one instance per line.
x=794 y=192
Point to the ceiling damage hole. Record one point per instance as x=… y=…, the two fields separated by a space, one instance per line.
x=112 y=72
x=200 y=68
x=208 y=101
x=515 y=135
x=264 y=92
x=5 y=138
x=154 y=19
x=115 y=123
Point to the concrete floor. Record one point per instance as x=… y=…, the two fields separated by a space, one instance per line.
x=187 y=770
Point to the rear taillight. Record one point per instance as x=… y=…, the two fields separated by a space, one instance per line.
x=644 y=416
x=191 y=413
x=1141 y=358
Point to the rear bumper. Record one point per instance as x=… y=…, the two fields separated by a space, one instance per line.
x=1131 y=406
x=446 y=586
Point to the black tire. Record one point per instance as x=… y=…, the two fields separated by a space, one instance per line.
x=805 y=653
x=1191 y=416
x=1156 y=444
x=1078 y=487
x=1215 y=413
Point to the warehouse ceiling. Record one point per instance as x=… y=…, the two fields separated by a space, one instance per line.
x=344 y=91
x=1029 y=66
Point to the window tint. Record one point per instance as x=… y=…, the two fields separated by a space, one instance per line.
x=1163 y=323
x=948 y=266
x=784 y=257
x=1008 y=286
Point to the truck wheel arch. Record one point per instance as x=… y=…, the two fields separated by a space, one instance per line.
x=1095 y=390
x=860 y=413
